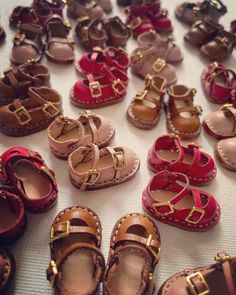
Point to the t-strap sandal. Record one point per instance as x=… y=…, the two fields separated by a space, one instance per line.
x=134 y=253
x=92 y=168
x=7 y=270
x=145 y=109
x=65 y=134
x=167 y=153
x=218 y=278
x=169 y=199
x=219 y=83
x=77 y=263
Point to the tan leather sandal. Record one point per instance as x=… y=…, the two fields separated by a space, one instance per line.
x=145 y=60
x=65 y=134
x=134 y=252
x=77 y=264
x=35 y=113
x=91 y=168
x=145 y=109
x=182 y=115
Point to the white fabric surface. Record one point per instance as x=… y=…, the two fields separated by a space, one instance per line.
x=180 y=249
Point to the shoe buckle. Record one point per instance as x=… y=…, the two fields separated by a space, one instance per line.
x=50 y=109
x=198 y=275
x=198 y=109
x=18 y=39
x=196 y=9
x=87 y=178
x=22 y=116
x=95 y=89
x=164 y=204
x=148 y=245
x=64 y=234
x=135 y=23
x=158 y=65
x=192 y=212
x=141 y=95
x=54 y=272
x=116 y=162
x=119 y=86
x=223 y=258
x=70 y=41
x=85 y=35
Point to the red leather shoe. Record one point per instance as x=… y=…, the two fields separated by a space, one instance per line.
x=23 y=15
x=13 y=213
x=92 y=63
x=219 y=83
x=167 y=153
x=95 y=92
x=27 y=172
x=169 y=199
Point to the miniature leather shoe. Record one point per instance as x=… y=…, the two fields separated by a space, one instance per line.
x=26 y=171
x=23 y=15
x=32 y=114
x=202 y=32
x=169 y=199
x=77 y=263
x=92 y=63
x=7 y=270
x=117 y=32
x=95 y=92
x=164 y=47
x=17 y=81
x=145 y=109
x=81 y=8
x=225 y=151
x=189 y=13
x=13 y=215
x=90 y=33
x=144 y=61
x=65 y=135
x=27 y=45
x=182 y=115
x=222 y=123
x=167 y=153
x=59 y=46
x=219 y=83
x=135 y=247
x=44 y=7
x=218 y=278
x=220 y=47
x=92 y=168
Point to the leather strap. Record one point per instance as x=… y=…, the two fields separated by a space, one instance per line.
x=89 y=117
x=229 y=110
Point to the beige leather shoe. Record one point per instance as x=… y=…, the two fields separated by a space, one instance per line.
x=225 y=151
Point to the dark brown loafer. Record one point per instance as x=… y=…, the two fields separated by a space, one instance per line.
x=216 y=279
x=7 y=270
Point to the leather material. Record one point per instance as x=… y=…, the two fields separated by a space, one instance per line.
x=159 y=17
x=92 y=63
x=218 y=278
x=122 y=164
x=9 y=160
x=91 y=128
x=145 y=109
x=203 y=215
x=182 y=115
x=7 y=270
x=133 y=233
x=106 y=5
x=86 y=237
x=16 y=82
x=32 y=114
x=226 y=153
x=222 y=123
x=77 y=9
x=200 y=171
x=219 y=83
x=16 y=229
x=108 y=88
x=23 y=15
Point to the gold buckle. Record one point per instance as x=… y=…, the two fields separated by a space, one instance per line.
x=226 y=106
x=116 y=89
x=197 y=23
x=141 y=95
x=70 y=41
x=158 y=65
x=84 y=32
x=148 y=245
x=54 y=271
x=22 y=112
x=89 y=174
x=191 y=285
x=198 y=109
x=54 y=237
x=151 y=287
x=164 y=204
x=115 y=160
x=222 y=259
x=46 y=108
x=193 y=210
x=135 y=23
x=95 y=89
x=18 y=39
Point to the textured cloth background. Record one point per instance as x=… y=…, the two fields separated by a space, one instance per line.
x=180 y=249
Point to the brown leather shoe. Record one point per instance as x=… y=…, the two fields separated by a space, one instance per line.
x=17 y=81
x=216 y=279
x=77 y=264
x=35 y=113
x=182 y=114
x=134 y=252
x=7 y=270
